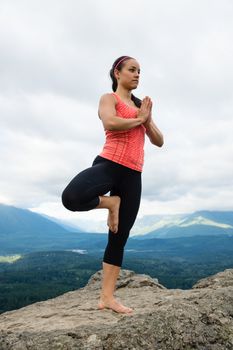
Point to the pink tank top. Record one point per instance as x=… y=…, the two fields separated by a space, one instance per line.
x=125 y=147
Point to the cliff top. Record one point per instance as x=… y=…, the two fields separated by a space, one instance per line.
x=198 y=318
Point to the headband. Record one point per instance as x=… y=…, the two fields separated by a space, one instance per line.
x=124 y=58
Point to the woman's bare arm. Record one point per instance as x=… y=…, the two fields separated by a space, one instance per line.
x=107 y=113
x=154 y=134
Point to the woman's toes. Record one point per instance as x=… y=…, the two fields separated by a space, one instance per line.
x=113 y=228
x=125 y=308
x=128 y=309
x=115 y=306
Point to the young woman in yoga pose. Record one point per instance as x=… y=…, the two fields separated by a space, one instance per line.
x=118 y=168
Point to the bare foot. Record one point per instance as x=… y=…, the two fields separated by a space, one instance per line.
x=114 y=305
x=113 y=215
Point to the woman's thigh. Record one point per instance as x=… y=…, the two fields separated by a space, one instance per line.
x=87 y=185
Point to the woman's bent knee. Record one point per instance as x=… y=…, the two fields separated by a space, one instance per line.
x=69 y=201
x=74 y=202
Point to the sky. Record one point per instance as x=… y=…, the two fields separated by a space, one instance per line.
x=54 y=66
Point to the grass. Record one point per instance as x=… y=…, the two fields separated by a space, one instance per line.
x=9 y=258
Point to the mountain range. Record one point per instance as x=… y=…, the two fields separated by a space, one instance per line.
x=167 y=226
x=203 y=222
x=22 y=230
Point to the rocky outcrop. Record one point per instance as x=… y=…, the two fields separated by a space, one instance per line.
x=171 y=319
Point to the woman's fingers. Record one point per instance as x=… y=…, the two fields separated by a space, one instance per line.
x=146 y=100
x=146 y=103
x=146 y=106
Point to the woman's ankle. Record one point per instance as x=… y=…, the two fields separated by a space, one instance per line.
x=107 y=202
x=106 y=296
x=103 y=202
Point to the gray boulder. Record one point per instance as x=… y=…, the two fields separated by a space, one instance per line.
x=163 y=319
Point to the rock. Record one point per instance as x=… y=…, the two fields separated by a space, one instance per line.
x=171 y=319
x=127 y=278
x=223 y=279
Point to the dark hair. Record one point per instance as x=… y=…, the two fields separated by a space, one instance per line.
x=135 y=99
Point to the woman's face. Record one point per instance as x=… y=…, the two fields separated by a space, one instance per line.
x=129 y=74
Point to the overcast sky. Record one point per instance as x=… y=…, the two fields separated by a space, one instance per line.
x=55 y=58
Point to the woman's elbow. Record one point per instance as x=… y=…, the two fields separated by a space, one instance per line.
x=110 y=126
x=157 y=142
x=161 y=142
x=107 y=124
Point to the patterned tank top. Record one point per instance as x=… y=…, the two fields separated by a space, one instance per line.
x=125 y=147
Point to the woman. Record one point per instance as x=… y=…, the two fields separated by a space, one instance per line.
x=126 y=119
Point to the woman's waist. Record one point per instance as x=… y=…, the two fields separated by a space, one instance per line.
x=132 y=135
x=129 y=154
x=118 y=165
x=122 y=144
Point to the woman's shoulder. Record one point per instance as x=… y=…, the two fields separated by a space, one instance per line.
x=107 y=100
x=109 y=96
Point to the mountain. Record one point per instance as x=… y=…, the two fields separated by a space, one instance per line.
x=224 y=217
x=199 y=318
x=65 y=224
x=24 y=231
x=23 y=221
x=203 y=222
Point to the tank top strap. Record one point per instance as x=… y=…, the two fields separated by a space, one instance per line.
x=117 y=97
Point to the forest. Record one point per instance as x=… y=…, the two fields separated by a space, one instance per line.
x=39 y=276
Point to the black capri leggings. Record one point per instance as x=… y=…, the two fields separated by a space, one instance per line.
x=82 y=194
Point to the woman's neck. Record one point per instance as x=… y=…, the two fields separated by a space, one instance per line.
x=123 y=93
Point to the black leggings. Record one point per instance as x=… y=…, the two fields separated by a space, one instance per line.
x=82 y=194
